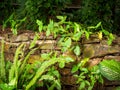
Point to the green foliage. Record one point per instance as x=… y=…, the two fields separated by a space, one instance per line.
x=40 y=24
x=94 y=11
x=90 y=13
x=2 y=63
x=32 y=10
x=22 y=75
x=40 y=9
x=86 y=78
x=51 y=75
x=32 y=44
x=110 y=69
x=70 y=32
x=14 y=24
x=6 y=9
x=117 y=88
x=77 y=50
x=47 y=63
x=6 y=87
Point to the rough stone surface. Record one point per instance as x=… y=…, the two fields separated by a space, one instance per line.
x=95 y=49
x=69 y=80
x=98 y=50
x=112 y=57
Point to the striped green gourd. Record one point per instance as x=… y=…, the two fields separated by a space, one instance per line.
x=110 y=69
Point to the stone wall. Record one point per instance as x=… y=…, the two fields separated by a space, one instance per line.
x=97 y=50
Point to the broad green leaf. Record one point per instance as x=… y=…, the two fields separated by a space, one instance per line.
x=48 y=32
x=105 y=32
x=110 y=39
x=64 y=49
x=62 y=64
x=67 y=27
x=82 y=85
x=68 y=42
x=51 y=24
x=109 y=42
x=87 y=34
x=60 y=17
x=90 y=88
x=74 y=69
x=110 y=69
x=111 y=36
x=40 y=24
x=77 y=36
x=50 y=28
x=79 y=79
x=68 y=59
x=98 y=25
x=87 y=82
x=76 y=27
x=56 y=73
x=77 y=50
x=14 y=27
x=85 y=70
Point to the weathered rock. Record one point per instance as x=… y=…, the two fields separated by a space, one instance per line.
x=34 y=58
x=108 y=83
x=117 y=40
x=92 y=39
x=9 y=56
x=93 y=48
x=70 y=54
x=104 y=42
x=98 y=50
x=109 y=57
x=93 y=62
x=88 y=51
x=48 y=44
x=69 y=80
x=22 y=38
x=65 y=72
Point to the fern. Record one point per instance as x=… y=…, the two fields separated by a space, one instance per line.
x=2 y=63
x=13 y=73
x=43 y=67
